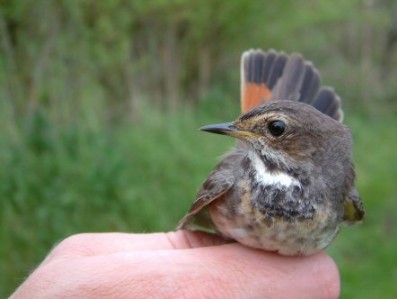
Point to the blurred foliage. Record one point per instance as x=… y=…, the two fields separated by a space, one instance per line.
x=167 y=52
x=100 y=102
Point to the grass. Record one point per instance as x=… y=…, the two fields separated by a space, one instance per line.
x=367 y=254
x=57 y=180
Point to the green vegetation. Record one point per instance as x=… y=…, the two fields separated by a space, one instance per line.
x=100 y=102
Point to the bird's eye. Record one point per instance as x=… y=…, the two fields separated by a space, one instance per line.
x=276 y=128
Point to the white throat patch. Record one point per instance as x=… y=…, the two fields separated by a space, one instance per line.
x=265 y=177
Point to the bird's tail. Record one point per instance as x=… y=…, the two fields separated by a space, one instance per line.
x=274 y=76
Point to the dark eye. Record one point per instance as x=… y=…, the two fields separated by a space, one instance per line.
x=276 y=128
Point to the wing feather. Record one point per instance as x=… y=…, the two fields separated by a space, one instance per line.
x=353 y=207
x=217 y=184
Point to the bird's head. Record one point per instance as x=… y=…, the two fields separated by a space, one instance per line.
x=287 y=132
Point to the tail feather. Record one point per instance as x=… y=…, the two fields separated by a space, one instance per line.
x=255 y=68
x=274 y=76
x=310 y=84
x=270 y=58
x=277 y=69
x=289 y=87
x=254 y=90
x=328 y=103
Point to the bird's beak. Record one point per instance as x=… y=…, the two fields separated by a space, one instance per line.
x=225 y=129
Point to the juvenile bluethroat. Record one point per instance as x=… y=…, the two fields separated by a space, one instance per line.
x=288 y=184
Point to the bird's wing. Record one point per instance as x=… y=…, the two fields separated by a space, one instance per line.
x=274 y=76
x=217 y=184
x=353 y=207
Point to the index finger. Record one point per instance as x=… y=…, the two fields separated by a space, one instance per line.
x=91 y=244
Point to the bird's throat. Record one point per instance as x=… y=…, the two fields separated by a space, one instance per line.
x=268 y=176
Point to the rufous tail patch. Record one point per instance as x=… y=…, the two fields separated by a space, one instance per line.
x=253 y=95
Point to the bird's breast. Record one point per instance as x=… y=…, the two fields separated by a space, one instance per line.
x=272 y=211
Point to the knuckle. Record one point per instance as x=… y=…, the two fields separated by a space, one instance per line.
x=72 y=245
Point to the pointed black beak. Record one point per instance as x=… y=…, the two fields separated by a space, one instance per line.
x=223 y=129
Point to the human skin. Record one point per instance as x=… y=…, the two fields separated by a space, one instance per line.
x=178 y=264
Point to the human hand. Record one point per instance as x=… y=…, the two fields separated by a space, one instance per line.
x=178 y=264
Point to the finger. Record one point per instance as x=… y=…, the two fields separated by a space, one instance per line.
x=225 y=271
x=108 y=243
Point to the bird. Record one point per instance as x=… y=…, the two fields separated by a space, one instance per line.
x=289 y=183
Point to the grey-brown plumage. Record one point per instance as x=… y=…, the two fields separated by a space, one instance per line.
x=289 y=183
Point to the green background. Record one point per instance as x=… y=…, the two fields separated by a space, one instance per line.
x=100 y=102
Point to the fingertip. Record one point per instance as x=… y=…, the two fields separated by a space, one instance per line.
x=328 y=275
